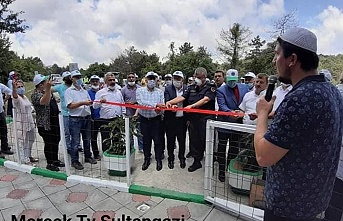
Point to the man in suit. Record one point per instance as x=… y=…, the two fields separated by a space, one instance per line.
x=229 y=98
x=175 y=120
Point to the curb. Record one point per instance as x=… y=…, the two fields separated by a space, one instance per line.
x=49 y=173
x=170 y=194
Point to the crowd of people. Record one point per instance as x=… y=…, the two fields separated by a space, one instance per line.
x=298 y=133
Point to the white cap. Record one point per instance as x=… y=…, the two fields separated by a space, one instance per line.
x=232 y=75
x=250 y=74
x=168 y=76
x=178 y=73
x=102 y=80
x=301 y=37
x=151 y=73
x=66 y=74
x=96 y=77
x=75 y=73
x=11 y=73
x=38 y=79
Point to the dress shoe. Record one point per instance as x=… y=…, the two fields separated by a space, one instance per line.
x=77 y=165
x=194 y=167
x=159 y=165
x=146 y=164
x=8 y=152
x=97 y=157
x=182 y=164
x=52 y=167
x=33 y=160
x=59 y=164
x=171 y=164
x=189 y=155
x=221 y=176
x=90 y=160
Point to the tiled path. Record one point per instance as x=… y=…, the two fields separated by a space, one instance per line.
x=39 y=197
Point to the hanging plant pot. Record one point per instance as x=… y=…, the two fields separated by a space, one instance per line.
x=116 y=164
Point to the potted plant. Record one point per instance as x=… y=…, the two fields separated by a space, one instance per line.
x=114 y=159
x=244 y=168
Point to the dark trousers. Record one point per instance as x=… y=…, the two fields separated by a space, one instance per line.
x=51 y=140
x=197 y=136
x=223 y=137
x=150 y=128
x=3 y=132
x=335 y=210
x=95 y=128
x=176 y=128
x=9 y=107
x=106 y=134
x=269 y=216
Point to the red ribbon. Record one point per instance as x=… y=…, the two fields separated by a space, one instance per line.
x=193 y=110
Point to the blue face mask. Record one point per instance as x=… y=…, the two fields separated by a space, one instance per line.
x=79 y=82
x=21 y=91
x=151 y=84
x=250 y=85
x=231 y=84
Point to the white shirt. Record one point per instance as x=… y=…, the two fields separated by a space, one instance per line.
x=73 y=95
x=6 y=90
x=180 y=104
x=216 y=106
x=248 y=105
x=280 y=94
x=24 y=115
x=108 y=111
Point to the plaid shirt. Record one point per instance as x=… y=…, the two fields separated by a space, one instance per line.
x=150 y=99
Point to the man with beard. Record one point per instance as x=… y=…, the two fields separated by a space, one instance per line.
x=61 y=89
x=302 y=144
x=108 y=112
x=250 y=99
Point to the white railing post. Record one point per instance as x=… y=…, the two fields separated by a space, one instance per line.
x=128 y=150
x=64 y=145
x=15 y=128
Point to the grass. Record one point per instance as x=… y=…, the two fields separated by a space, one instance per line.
x=29 y=87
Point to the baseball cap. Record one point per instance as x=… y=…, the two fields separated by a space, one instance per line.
x=96 y=77
x=75 y=73
x=11 y=73
x=151 y=73
x=66 y=74
x=302 y=38
x=178 y=73
x=250 y=74
x=168 y=76
x=38 y=79
x=326 y=74
x=232 y=75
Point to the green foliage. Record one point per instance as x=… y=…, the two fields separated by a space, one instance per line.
x=9 y=20
x=116 y=141
x=246 y=156
x=333 y=63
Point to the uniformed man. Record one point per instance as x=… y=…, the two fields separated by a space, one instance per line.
x=201 y=96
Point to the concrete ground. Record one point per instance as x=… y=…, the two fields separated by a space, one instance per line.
x=39 y=197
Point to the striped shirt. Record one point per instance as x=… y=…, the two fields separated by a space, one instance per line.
x=150 y=99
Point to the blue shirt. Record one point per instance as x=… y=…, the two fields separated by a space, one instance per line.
x=149 y=98
x=309 y=124
x=95 y=113
x=61 y=89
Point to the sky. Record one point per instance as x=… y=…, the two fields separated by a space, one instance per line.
x=89 y=31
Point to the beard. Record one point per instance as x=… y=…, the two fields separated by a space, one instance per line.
x=286 y=78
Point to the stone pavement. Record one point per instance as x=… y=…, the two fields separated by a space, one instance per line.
x=39 y=197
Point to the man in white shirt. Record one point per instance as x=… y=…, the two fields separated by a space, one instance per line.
x=78 y=102
x=250 y=99
x=108 y=112
x=280 y=93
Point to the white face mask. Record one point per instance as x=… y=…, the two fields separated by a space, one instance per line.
x=131 y=83
x=95 y=87
x=151 y=84
x=177 y=84
x=198 y=81
x=169 y=82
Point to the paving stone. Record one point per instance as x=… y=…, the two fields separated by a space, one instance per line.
x=59 y=197
x=123 y=198
x=70 y=208
x=107 y=204
x=82 y=188
x=216 y=214
x=140 y=198
x=95 y=196
x=25 y=185
x=133 y=206
x=24 y=177
x=33 y=195
x=15 y=211
x=30 y=213
x=8 y=178
x=17 y=194
x=199 y=211
x=84 y=212
x=98 y=214
x=56 y=182
x=8 y=203
x=49 y=189
x=178 y=212
x=51 y=213
x=126 y=212
x=42 y=203
x=108 y=191
x=6 y=190
x=156 y=212
x=157 y=199
x=77 y=197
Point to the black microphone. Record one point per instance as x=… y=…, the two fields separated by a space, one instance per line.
x=271 y=85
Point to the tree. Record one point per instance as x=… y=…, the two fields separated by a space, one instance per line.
x=185 y=48
x=232 y=43
x=253 y=61
x=284 y=23
x=9 y=20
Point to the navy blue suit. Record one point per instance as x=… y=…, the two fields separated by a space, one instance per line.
x=175 y=126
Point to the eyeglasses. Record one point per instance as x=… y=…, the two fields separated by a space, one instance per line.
x=111 y=79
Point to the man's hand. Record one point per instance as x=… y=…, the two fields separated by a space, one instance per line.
x=264 y=107
x=158 y=108
x=237 y=114
x=189 y=107
x=89 y=102
x=102 y=100
x=252 y=116
x=48 y=84
x=169 y=105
